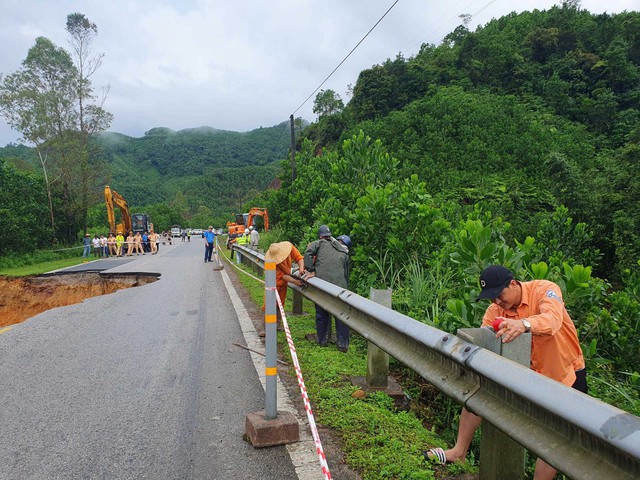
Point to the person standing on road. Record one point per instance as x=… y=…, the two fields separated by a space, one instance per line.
x=328 y=259
x=137 y=243
x=119 y=242
x=86 y=246
x=254 y=238
x=209 y=239
x=111 y=243
x=145 y=243
x=153 y=242
x=104 y=249
x=130 y=242
x=534 y=307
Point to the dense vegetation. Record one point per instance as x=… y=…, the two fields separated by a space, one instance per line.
x=202 y=173
x=529 y=112
x=516 y=144
x=196 y=176
x=193 y=177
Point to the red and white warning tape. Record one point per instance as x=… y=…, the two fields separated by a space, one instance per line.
x=303 y=389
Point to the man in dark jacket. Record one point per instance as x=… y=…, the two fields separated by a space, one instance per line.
x=328 y=259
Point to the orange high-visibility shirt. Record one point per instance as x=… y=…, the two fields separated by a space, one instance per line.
x=555 y=348
x=284 y=268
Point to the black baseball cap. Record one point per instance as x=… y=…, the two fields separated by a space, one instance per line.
x=493 y=280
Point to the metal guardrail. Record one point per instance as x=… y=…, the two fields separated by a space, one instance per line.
x=580 y=435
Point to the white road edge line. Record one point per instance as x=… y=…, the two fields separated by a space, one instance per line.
x=303 y=453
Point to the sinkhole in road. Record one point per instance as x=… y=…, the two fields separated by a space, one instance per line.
x=23 y=297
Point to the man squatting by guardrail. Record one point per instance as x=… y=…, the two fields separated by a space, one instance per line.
x=517 y=308
x=284 y=254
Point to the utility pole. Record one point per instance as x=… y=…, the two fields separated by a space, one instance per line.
x=293 y=150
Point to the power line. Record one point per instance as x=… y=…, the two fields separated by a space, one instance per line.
x=284 y=127
x=345 y=58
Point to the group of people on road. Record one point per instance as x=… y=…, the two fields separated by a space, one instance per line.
x=119 y=246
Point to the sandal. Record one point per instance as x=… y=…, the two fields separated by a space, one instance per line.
x=436 y=454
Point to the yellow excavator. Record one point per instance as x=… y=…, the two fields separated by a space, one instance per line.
x=138 y=222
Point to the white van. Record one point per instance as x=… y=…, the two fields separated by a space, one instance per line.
x=176 y=231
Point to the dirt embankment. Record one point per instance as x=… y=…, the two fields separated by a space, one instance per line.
x=24 y=297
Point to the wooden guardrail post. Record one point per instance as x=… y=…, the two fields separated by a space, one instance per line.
x=501 y=458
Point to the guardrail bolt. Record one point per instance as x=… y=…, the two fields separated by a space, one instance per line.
x=467 y=349
x=444 y=378
x=444 y=339
x=464 y=392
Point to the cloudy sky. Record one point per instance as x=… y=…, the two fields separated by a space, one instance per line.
x=238 y=64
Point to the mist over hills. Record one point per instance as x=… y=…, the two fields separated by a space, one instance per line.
x=190 y=168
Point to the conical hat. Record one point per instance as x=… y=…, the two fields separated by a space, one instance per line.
x=278 y=252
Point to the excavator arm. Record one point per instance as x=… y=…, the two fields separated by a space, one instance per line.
x=113 y=199
x=260 y=212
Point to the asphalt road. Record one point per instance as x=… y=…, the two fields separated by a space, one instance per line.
x=144 y=383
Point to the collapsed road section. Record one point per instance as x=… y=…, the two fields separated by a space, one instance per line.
x=23 y=297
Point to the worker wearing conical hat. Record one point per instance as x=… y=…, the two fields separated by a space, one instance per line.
x=284 y=254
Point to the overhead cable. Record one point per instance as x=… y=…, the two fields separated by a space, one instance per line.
x=345 y=58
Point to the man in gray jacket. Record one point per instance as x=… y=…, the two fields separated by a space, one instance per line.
x=328 y=259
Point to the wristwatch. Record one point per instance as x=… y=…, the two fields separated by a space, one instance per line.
x=527 y=325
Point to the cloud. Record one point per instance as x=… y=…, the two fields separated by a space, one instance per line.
x=235 y=65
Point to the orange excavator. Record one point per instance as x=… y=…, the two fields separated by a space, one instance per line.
x=258 y=212
x=138 y=222
x=246 y=220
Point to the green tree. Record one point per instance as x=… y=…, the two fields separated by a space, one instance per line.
x=92 y=117
x=326 y=103
x=49 y=101
x=38 y=101
x=23 y=211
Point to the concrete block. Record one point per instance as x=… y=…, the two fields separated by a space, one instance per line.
x=393 y=389
x=262 y=432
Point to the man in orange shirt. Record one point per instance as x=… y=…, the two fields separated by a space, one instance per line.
x=284 y=254
x=522 y=307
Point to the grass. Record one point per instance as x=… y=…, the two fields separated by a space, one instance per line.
x=379 y=441
x=42 y=267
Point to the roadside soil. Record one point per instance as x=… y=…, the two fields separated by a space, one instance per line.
x=25 y=297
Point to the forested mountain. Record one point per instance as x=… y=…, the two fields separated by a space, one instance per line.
x=194 y=176
x=516 y=144
x=203 y=167
x=529 y=112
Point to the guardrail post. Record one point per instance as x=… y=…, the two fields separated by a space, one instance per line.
x=378 y=378
x=271 y=347
x=378 y=359
x=501 y=458
x=218 y=265
x=270 y=427
x=297 y=303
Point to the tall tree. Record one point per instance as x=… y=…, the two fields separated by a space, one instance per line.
x=38 y=101
x=92 y=118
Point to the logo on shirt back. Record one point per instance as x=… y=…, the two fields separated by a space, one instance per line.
x=552 y=294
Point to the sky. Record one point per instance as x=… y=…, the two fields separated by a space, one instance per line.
x=238 y=64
